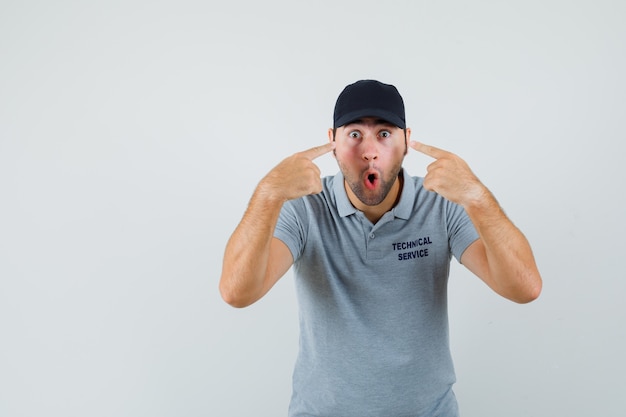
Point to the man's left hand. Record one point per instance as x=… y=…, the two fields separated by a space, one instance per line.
x=450 y=176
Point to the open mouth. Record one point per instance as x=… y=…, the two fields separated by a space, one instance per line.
x=371 y=179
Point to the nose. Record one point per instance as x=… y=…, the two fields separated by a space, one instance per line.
x=370 y=150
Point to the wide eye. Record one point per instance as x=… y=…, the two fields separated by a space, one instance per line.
x=355 y=134
x=385 y=134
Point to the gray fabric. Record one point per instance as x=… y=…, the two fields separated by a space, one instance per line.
x=373 y=302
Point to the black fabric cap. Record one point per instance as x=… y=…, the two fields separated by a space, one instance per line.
x=369 y=98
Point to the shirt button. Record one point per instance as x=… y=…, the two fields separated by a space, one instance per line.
x=372 y=235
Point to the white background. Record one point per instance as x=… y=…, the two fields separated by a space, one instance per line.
x=132 y=134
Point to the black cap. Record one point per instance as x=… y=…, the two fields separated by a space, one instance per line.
x=369 y=98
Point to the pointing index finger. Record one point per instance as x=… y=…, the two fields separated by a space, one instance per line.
x=318 y=151
x=429 y=150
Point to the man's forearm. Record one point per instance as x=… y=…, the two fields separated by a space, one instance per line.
x=511 y=266
x=247 y=251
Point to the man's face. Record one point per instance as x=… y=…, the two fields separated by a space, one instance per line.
x=370 y=152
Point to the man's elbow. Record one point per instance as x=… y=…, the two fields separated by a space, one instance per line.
x=531 y=292
x=233 y=297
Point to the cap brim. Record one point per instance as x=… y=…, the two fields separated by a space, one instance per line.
x=360 y=114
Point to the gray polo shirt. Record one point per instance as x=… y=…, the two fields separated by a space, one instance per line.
x=373 y=302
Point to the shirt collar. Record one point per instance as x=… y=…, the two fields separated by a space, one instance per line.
x=344 y=206
x=404 y=208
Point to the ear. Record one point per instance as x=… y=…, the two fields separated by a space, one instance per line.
x=407 y=140
x=331 y=139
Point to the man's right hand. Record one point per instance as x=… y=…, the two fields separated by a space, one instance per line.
x=296 y=176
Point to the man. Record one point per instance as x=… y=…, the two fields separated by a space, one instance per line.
x=371 y=249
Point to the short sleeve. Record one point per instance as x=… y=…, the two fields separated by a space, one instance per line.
x=292 y=226
x=461 y=231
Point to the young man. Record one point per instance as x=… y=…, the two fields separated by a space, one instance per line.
x=371 y=249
